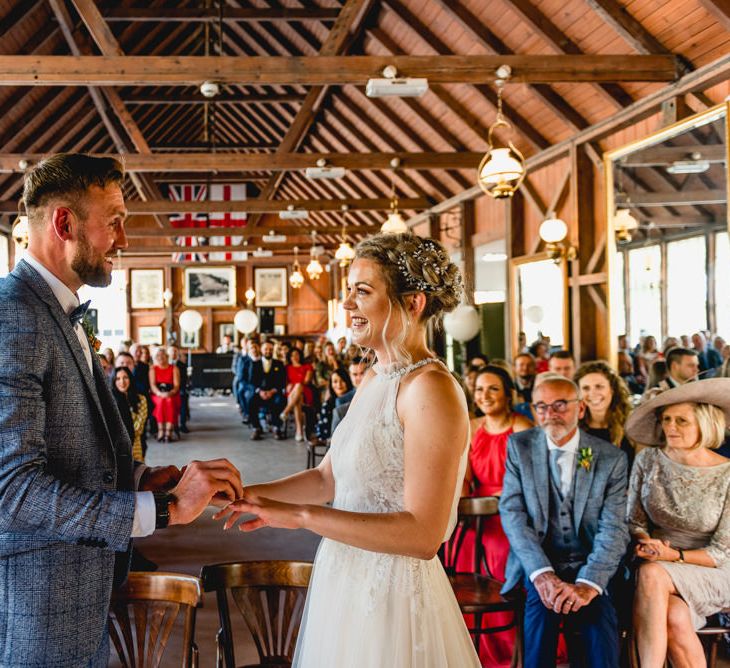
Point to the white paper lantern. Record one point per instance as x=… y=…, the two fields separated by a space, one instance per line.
x=534 y=314
x=246 y=321
x=190 y=320
x=462 y=323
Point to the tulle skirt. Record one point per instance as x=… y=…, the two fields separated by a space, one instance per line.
x=372 y=610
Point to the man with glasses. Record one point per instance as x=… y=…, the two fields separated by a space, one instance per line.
x=563 y=509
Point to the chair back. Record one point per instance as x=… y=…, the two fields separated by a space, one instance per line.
x=270 y=596
x=472 y=512
x=143 y=613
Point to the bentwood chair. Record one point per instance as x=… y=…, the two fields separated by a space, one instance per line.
x=144 y=612
x=270 y=596
x=476 y=590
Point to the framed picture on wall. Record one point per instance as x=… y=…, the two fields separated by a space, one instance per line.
x=147 y=288
x=150 y=336
x=270 y=285
x=210 y=286
x=189 y=339
x=279 y=330
x=227 y=329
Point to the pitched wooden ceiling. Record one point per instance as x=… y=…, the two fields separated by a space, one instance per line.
x=278 y=120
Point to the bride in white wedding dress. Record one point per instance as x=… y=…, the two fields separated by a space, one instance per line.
x=378 y=597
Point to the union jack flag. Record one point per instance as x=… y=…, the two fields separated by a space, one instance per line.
x=218 y=192
x=188 y=193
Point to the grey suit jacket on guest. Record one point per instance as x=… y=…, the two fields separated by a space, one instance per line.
x=65 y=480
x=599 y=507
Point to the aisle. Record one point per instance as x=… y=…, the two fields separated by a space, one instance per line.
x=216 y=431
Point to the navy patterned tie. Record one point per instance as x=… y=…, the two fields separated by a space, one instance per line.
x=77 y=315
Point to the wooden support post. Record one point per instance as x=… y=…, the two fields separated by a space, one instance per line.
x=514 y=218
x=673 y=110
x=467 y=249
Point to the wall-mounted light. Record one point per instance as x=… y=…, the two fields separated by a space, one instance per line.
x=624 y=223
x=167 y=297
x=21 y=231
x=502 y=169
x=250 y=295
x=553 y=231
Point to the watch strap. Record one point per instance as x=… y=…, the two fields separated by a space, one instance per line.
x=162 y=508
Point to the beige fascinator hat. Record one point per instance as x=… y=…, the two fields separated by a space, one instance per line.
x=643 y=424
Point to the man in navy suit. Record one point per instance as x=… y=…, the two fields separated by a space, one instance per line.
x=563 y=508
x=266 y=378
x=71 y=497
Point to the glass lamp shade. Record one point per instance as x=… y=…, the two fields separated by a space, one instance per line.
x=394 y=224
x=250 y=295
x=553 y=230
x=245 y=321
x=314 y=269
x=623 y=220
x=21 y=231
x=190 y=320
x=296 y=280
x=462 y=323
x=501 y=172
x=345 y=253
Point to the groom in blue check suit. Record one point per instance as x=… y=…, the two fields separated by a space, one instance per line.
x=71 y=497
x=563 y=509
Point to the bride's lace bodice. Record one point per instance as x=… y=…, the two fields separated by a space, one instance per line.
x=367 y=452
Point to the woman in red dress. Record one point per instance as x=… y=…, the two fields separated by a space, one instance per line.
x=298 y=390
x=493 y=395
x=165 y=391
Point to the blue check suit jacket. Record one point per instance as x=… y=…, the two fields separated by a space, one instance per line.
x=66 y=505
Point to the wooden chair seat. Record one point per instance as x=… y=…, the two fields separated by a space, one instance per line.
x=143 y=613
x=475 y=593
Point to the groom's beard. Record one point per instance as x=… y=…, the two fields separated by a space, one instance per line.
x=89 y=264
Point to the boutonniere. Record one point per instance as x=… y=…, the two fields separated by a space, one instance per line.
x=93 y=341
x=585 y=458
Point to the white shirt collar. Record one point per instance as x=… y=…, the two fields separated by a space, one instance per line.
x=67 y=299
x=571 y=446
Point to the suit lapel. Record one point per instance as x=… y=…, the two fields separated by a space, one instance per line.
x=583 y=482
x=35 y=282
x=540 y=473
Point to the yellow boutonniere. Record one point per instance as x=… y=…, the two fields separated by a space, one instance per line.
x=585 y=458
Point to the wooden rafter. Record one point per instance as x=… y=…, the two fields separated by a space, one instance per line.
x=326 y=70
x=290 y=230
x=197 y=98
x=211 y=15
x=720 y=10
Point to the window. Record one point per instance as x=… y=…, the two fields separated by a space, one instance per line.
x=722 y=282
x=618 y=296
x=645 y=292
x=542 y=300
x=111 y=306
x=686 y=286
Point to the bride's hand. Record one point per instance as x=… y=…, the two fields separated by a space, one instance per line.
x=268 y=514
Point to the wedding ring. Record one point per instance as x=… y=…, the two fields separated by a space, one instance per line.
x=570 y=602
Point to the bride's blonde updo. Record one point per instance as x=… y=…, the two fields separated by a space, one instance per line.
x=413 y=264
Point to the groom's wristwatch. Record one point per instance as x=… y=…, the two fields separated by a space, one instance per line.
x=162 y=508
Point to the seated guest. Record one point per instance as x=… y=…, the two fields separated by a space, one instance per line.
x=339 y=385
x=562 y=363
x=485 y=471
x=626 y=373
x=245 y=388
x=165 y=389
x=541 y=353
x=648 y=352
x=266 y=377
x=524 y=373
x=174 y=354
x=324 y=368
x=707 y=356
x=679 y=517
x=108 y=354
x=132 y=407
x=682 y=367
x=227 y=345
x=606 y=399
x=356 y=371
x=669 y=343
x=477 y=361
x=308 y=353
x=562 y=508
x=298 y=390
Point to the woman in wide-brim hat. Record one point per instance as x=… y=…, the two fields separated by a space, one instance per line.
x=679 y=516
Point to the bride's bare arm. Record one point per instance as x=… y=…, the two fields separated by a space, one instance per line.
x=435 y=426
x=315 y=486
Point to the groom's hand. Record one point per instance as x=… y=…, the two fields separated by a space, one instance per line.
x=159 y=478
x=200 y=483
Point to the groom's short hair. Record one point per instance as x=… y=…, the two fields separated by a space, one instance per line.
x=68 y=176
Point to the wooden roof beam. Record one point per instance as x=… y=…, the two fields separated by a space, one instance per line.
x=290 y=230
x=720 y=10
x=113 y=13
x=326 y=70
x=225 y=98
